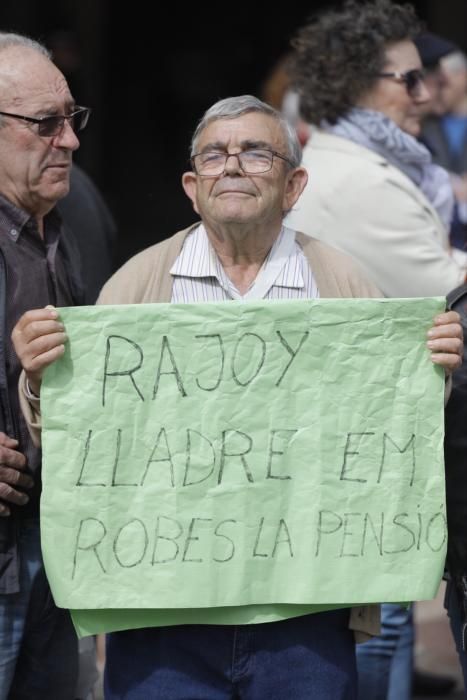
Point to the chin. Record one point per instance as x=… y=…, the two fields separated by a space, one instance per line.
x=233 y=215
x=413 y=128
x=57 y=191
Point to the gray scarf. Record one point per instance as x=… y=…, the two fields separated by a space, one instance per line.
x=375 y=131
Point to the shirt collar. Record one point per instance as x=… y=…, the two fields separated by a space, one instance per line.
x=14 y=220
x=286 y=253
x=197 y=257
x=199 y=260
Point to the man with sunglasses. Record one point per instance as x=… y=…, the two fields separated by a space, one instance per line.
x=245 y=175
x=38 y=265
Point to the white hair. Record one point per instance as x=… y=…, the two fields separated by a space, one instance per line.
x=8 y=39
x=455 y=62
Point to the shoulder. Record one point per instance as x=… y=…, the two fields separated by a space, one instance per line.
x=321 y=145
x=352 y=187
x=336 y=274
x=132 y=282
x=334 y=160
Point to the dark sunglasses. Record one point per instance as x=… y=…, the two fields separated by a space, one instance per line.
x=413 y=79
x=53 y=125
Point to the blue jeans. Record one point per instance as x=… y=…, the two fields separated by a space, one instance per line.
x=453 y=607
x=385 y=663
x=38 y=645
x=301 y=658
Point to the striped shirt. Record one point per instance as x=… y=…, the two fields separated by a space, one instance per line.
x=199 y=275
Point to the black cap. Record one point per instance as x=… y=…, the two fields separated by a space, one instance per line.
x=432 y=48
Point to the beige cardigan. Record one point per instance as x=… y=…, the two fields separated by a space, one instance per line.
x=359 y=203
x=145 y=279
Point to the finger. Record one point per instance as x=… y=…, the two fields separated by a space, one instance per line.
x=7 y=441
x=449 y=361
x=36 y=329
x=446 y=330
x=11 y=495
x=35 y=365
x=33 y=315
x=14 y=477
x=43 y=343
x=12 y=458
x=447 y=317
x=453 y=345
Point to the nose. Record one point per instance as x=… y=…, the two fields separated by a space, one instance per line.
x=66 y=138
x=232 y=164
x=423 y=94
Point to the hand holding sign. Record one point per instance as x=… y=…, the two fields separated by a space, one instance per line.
x=38 y=339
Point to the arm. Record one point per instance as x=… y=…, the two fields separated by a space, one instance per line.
x=38 y=339
x=400 y=244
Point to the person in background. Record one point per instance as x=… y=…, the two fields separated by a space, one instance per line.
x=375 y=194
x=277 y=91
x=89 y=220
x=245 y=176
x=39 y=121
x=440 y=58
x=432 y=49
x=445 y=134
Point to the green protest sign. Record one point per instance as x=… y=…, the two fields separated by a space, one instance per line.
x=222 y=455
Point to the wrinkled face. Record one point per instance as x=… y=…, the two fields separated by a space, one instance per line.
x=390 y=96
x=234 y=197
x=34 y=170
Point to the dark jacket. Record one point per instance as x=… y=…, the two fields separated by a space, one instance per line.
x=455 y=449
x=9 y=527
x=85 y=212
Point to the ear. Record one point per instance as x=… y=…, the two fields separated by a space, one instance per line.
x=189 y=183
x=295 y=184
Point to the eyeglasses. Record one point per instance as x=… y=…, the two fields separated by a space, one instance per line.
x=413 y=79
x=53 y=125
x=253 y=162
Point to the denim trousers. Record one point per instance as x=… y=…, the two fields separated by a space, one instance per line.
x=38 y=645
x=385 y=663
x=453 y=607
x=303 y=658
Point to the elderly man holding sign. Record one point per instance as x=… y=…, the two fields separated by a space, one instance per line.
x=245 y=177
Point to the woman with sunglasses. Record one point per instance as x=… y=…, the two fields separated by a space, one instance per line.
x=373 y=190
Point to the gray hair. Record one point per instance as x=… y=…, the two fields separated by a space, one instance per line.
x=232 y=107
x=455 y=62
x=8 y=39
